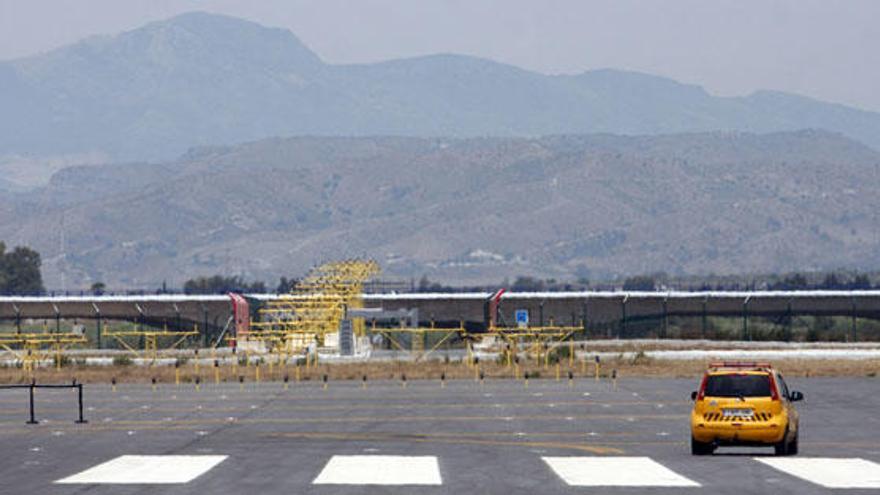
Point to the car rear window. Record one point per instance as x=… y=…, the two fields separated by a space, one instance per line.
x=738 y=386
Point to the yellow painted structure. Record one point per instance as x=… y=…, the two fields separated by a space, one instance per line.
x=314 y=308
x=153 y=340
x=31 y=348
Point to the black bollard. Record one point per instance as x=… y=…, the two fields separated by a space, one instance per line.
x=79 y=393
x=33 y=420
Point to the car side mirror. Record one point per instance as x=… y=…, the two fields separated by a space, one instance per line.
x=795 y=396
x=694 y=395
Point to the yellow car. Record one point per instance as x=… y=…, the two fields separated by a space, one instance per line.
x=744 y=404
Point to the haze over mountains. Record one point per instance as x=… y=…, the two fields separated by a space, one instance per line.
x=462 y=210
x=204 y=79
x=460 y=168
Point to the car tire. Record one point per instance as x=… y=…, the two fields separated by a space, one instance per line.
x=793 y=446
x=701 y=448
x=782 y=447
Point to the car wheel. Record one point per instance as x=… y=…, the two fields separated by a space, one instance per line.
x=701 y=448
x=782 y=447
x=793 y=446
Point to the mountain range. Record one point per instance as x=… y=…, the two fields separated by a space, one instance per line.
x=207 y=144
x=461 y=210
x=203 y=79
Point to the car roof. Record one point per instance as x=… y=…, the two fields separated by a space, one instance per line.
x=738 y=372
x=728 y=368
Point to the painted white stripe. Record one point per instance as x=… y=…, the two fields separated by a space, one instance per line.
x=147 y=469
x=829 y=472
x=380 y=470
x=615 y=471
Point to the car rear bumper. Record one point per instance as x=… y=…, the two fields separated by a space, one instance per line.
x=738 y=434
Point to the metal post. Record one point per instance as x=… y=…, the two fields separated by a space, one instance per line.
x=622 y=329
x=788 y=322
x=204 y=335
x=140 y=322
x=584 y=309
x=80 y=396
x=32 y=421
x=745 y=330
x=665 y=316
x=541 y=314
x=705 y=316
x=855 y=335
x=97 y=325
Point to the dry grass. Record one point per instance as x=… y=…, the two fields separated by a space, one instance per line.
x=639 y=366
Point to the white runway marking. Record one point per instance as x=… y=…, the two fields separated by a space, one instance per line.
x=615 y=471
x=829 y=472
x=147 y=469
x=380 y=470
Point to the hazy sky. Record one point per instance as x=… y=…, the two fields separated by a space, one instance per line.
x=821 y=48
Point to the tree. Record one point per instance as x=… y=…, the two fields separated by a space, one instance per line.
x=219 y=284
x=20 y=271
x=425 y=285
x=523 y=283
x=3 y=276
x=832 y=282
x=98 y=288
x=794 y=281
x=286 y=285
x=640 y=283
x=860 y=282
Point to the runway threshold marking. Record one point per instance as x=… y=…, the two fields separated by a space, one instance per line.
x=147 y=469
x=616 y=471
x=380 y=470
x=852 y=472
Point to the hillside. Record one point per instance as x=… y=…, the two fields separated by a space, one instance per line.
x=204 y=79
x=462 y=210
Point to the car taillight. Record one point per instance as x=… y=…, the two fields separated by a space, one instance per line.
x=774 y=391
x=702 y=392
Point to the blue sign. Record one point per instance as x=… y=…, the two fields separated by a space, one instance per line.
x=522 y=317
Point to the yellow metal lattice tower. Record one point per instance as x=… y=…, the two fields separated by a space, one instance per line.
x=314 y=307
x=31 y=348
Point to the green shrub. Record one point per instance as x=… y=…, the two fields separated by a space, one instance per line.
x=122 y=361
x=640 y=358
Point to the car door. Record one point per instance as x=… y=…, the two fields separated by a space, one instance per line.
x=793 y=418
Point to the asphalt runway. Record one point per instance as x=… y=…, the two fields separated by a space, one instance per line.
x=496 y=437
